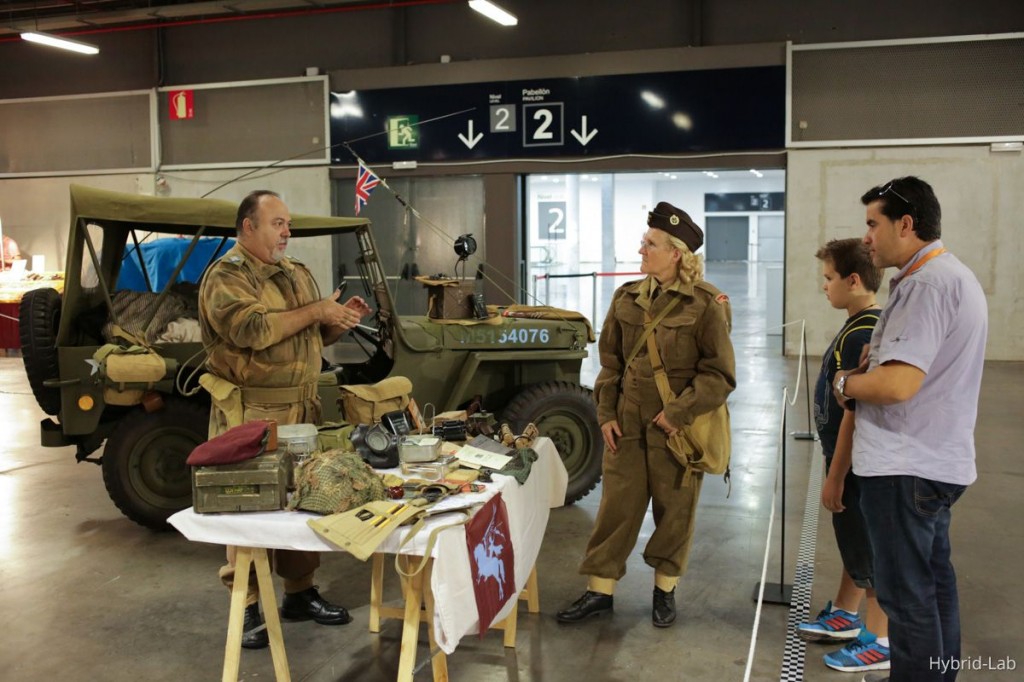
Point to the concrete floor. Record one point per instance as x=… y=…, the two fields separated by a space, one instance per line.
x=89 y=595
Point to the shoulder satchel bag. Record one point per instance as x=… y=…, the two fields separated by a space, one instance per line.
x=367 y=403
x=704 y=445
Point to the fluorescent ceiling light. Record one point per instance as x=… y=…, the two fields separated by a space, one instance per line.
x=346 y=104
x=652 y=99
x=62 y=43
x=493 y=12
x=682 y=121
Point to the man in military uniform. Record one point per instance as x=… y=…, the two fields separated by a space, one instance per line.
x=691 y=322
x=264 y=326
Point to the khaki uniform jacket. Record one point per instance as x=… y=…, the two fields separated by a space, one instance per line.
x=693 y=341
x=240 y=299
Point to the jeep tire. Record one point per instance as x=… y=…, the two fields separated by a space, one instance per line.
x=144 y=467
x=38 y=321
x=566 y=414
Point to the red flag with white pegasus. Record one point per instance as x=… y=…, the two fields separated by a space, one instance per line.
x=492 y=561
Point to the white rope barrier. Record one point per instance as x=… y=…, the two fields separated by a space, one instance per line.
x=767 y=545
x=803 y=349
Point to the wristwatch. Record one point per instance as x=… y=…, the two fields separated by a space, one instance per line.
x=841 y=385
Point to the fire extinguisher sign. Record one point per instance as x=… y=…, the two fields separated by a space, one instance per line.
x=180 y=102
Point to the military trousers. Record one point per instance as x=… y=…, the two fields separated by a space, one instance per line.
x=296 y=568
x=640 y=472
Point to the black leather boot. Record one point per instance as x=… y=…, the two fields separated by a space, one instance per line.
x=663 y=612
x=254 y=632
x=309 y=605
x=590 y=604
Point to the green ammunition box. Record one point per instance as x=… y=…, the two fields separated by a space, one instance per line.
x=257 y=484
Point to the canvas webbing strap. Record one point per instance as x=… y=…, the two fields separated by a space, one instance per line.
x=282 y=395
x=649 y=327
x=431 y=540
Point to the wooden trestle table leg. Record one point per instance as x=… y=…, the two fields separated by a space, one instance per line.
x=245 y=557
x=271 y=616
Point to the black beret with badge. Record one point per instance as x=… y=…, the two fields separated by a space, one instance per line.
x=677 y=223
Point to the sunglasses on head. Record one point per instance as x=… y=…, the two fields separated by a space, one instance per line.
x=889 y=189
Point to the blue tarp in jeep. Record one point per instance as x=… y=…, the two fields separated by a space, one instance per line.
x=161 y=256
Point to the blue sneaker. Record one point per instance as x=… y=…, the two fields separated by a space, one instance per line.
x=831 y=626
x=864 y=653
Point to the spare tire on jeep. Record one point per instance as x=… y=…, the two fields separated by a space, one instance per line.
x=565 y=413
x=144 y=467
x=38 y=321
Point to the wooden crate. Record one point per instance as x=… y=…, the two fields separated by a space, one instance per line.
x=453 y=302
x=257 y=484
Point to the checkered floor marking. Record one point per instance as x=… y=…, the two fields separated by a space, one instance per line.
x=799 y=609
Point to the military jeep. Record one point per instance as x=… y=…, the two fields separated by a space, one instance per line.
x=521 y=369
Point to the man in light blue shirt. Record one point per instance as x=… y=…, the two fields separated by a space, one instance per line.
x=917 y=403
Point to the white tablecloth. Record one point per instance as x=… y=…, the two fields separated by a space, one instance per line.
x=455 y=612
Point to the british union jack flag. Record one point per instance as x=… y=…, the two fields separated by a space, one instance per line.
x=366 y=182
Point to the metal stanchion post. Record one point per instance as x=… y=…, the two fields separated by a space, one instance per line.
x=780 y=592
x=810 y=433
x=593 y=298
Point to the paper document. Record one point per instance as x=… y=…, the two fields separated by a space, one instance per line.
x=475 y=458
x=490 y=445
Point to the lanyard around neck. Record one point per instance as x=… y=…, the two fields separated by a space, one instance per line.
x=924 y=259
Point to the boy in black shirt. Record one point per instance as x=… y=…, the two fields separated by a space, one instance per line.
x=851 y=282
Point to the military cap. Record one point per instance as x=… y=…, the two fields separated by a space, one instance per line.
x=234 y=445
x=677 y=223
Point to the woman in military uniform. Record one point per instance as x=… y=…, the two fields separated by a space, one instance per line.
x=692 y=338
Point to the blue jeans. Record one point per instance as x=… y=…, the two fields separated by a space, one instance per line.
x=908 y=523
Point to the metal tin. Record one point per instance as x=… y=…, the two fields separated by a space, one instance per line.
x=430 y=471
x=298 y=440
x=423 y=448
